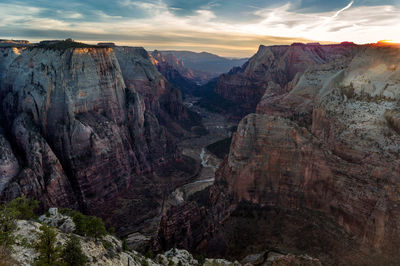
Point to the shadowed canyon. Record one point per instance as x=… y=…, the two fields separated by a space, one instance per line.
x=294 y=151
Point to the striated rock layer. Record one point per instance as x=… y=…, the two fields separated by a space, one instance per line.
x=274 y=71
x=315 y=170
x=83 y=130
x=175 y=72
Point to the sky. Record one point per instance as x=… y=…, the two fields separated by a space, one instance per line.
x=233 y=28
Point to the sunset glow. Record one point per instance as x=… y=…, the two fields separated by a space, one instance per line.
x=219 y=26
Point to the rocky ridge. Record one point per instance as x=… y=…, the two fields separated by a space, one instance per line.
x=90 y=127
x=109 y=249
x=315 y=169
x=175 y=72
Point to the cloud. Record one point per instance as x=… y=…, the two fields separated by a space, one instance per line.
x=343 y=9
x=225 y=27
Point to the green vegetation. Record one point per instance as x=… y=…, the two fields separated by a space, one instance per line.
x=213 y=101
x=63 y=45
x=125 y=246
x=24 y=207
x=144 y=262
x=90 y=226
x=19 y=208
x=201 y=259
x=72 y=253
x=106 y=244
x=7 y=225
x=49 y=253
x=149 y=254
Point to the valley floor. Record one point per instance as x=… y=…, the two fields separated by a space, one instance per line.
x=219 y=128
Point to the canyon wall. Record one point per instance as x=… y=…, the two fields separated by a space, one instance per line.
x=90 y=128
x=315 y=169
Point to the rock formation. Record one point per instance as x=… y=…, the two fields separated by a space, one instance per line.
x=204 y=66
x=274 y=71
x=91 y=128
x=175 y=72
x=160 y=97
x=315 y=169
x=109 y=250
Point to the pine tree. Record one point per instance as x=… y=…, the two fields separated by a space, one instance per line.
x=95 y=227
x=7 y=225
x=24 y=207
x=72 y=253
x=49 y=253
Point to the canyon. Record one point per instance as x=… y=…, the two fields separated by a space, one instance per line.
x=302 y=159
x=314 y=169
x=92 y=128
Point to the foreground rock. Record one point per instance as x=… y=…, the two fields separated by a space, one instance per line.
x=108 y=250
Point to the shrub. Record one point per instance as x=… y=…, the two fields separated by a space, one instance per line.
x=72 y=254
x=7 y=225
x=201 y=259
x=19 y=208
x=49 y=253
x=149 y=254
x=24 y=207
x=95 y=227
x=86 y=225
x=125 y=246
x=106 y=244
x=144 y=262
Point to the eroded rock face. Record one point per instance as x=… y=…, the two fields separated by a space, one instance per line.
x=174 y=71
x=160 y=97
x=9 y=165
x=315 y=169
x=88 y=134
x=274 y=71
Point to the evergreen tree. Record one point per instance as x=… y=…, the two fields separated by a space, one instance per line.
x=80 y=221
x=7 y=225
x=95 y=227
x=24 y=207
x=72 y=253
x=49 y=253
x=125 y=246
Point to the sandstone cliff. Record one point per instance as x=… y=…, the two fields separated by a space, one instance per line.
x=160 y=97
x=83 y=129
x=316 y=168
x=274 y=70
x=175 y=72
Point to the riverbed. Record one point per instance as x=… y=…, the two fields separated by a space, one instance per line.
x=218 y=128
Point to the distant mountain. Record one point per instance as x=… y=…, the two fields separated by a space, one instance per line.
x=175 y=72
x=205 y=66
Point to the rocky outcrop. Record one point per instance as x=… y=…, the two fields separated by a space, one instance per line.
x=160 y=97
x=316 y=168
x=109 y=250
x=274 y=71
x=175 y=71
x=204 y=66
x=106 y=250
x=9 y=165
x=83 y=129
